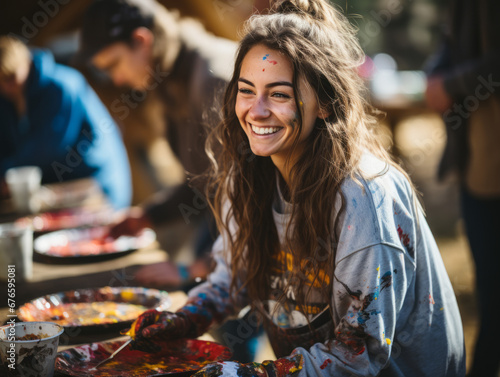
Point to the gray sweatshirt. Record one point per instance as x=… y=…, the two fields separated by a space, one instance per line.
x=394 y=309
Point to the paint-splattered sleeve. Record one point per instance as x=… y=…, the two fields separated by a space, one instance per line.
x=210 y=302
x=369 y=289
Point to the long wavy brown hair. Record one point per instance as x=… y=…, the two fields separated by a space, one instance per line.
x=322 y=47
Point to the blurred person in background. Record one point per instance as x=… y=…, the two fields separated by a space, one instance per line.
x=51 y=118
x=143 y=46
x=463 y=84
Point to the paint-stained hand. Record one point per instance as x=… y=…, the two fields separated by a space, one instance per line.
x=154 y=324
x=286 y=366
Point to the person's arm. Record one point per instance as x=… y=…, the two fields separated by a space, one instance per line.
x=207 y=304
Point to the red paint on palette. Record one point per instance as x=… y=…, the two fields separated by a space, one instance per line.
x=180 y=356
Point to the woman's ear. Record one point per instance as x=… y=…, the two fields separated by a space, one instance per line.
x=142 y=38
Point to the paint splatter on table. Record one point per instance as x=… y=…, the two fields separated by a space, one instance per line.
x=180 y=356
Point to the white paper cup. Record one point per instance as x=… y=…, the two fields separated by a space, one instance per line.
x=16 y=252
x=24 y=183
x=29 y=358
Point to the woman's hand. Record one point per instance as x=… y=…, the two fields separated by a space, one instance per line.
x=155 y=324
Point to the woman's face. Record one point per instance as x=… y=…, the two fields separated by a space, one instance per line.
x=265 y=104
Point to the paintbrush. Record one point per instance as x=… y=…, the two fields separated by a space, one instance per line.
x=146 y=345
x=114 y=353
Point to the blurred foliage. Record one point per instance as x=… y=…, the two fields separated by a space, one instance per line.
x=408 y=30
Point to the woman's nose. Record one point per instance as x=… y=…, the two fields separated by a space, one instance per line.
x=259 y=109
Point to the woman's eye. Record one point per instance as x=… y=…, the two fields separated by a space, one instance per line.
x=280 y=95
x=244 y=91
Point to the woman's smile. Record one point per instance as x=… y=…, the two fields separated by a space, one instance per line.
x=265 y=130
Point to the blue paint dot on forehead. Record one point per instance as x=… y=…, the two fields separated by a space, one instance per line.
x=265 y=57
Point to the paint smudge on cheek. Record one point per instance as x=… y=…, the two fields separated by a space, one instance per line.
x=265 y=57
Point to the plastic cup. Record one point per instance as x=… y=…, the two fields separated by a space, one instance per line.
x=29 y=357
x=16 y=252
x=24 y=183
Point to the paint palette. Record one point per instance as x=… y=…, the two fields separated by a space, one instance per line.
x=88 y=245
x=179 y=357
x=94 y=310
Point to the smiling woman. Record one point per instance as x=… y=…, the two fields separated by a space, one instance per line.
x=321 y=232
x=267 y=108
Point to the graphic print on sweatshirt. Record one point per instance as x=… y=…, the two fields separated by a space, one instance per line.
x=288 y=314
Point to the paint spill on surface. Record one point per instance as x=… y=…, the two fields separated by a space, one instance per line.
x=179 y=356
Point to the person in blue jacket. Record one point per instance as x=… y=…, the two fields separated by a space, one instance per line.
x=51 y=118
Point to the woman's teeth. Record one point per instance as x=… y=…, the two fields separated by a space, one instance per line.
x=265 y=130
